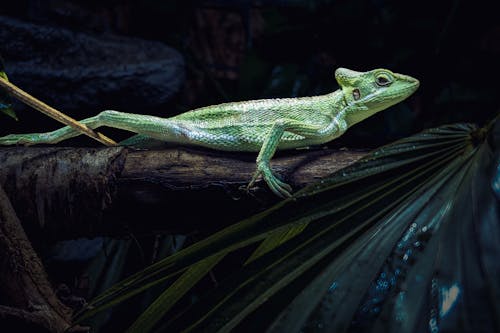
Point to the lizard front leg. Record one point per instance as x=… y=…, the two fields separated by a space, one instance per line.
x=270 y=144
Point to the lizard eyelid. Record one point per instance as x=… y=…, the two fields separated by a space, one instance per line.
x=382 y=80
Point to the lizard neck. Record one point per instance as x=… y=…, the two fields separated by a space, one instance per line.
x=351 y=113
x=338 y=104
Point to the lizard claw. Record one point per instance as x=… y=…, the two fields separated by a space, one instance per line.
x=278 y=187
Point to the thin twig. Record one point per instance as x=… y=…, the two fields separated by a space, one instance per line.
x=26 y=98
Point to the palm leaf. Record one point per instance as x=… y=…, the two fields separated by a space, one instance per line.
x=5 y=100
x=323 y=252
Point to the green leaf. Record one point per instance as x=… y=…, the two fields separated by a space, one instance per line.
x=5 y=101
x=171 y=295
x=275 y=239
x=322 y=254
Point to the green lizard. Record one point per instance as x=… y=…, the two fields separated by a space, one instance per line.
x=258 y=125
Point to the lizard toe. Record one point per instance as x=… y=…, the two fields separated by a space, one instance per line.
x=284 y=185
x=254 y=179
x=278 y=187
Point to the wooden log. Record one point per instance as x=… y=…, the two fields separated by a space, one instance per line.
x=74 y=192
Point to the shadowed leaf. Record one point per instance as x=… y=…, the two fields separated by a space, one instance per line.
x=5 y=100
x=410 y=231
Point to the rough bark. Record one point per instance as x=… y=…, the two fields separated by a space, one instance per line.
x=71 y=192
x=23 y=283
x=60 y=191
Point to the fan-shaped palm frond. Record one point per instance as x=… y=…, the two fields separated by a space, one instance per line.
x=405 y=238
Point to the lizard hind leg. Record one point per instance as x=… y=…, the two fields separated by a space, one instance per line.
x=48 y=137
x=142 y=124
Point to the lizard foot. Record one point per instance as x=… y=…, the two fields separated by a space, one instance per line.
x=16 y=139
x=278 y=187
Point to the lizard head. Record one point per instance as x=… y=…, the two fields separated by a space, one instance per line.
x=366 y=93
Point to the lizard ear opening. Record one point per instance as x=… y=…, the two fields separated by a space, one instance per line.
x=356 y=94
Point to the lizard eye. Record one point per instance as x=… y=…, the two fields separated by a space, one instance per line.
x=383 y=80
x=356 y=94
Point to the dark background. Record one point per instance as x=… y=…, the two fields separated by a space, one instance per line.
x=238 y=50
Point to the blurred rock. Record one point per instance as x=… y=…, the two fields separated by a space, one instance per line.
x=75 y=70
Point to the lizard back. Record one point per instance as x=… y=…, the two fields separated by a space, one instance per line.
x=246 y=124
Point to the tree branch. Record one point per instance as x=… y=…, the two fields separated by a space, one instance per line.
x=75 y=192
x=23 y=280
